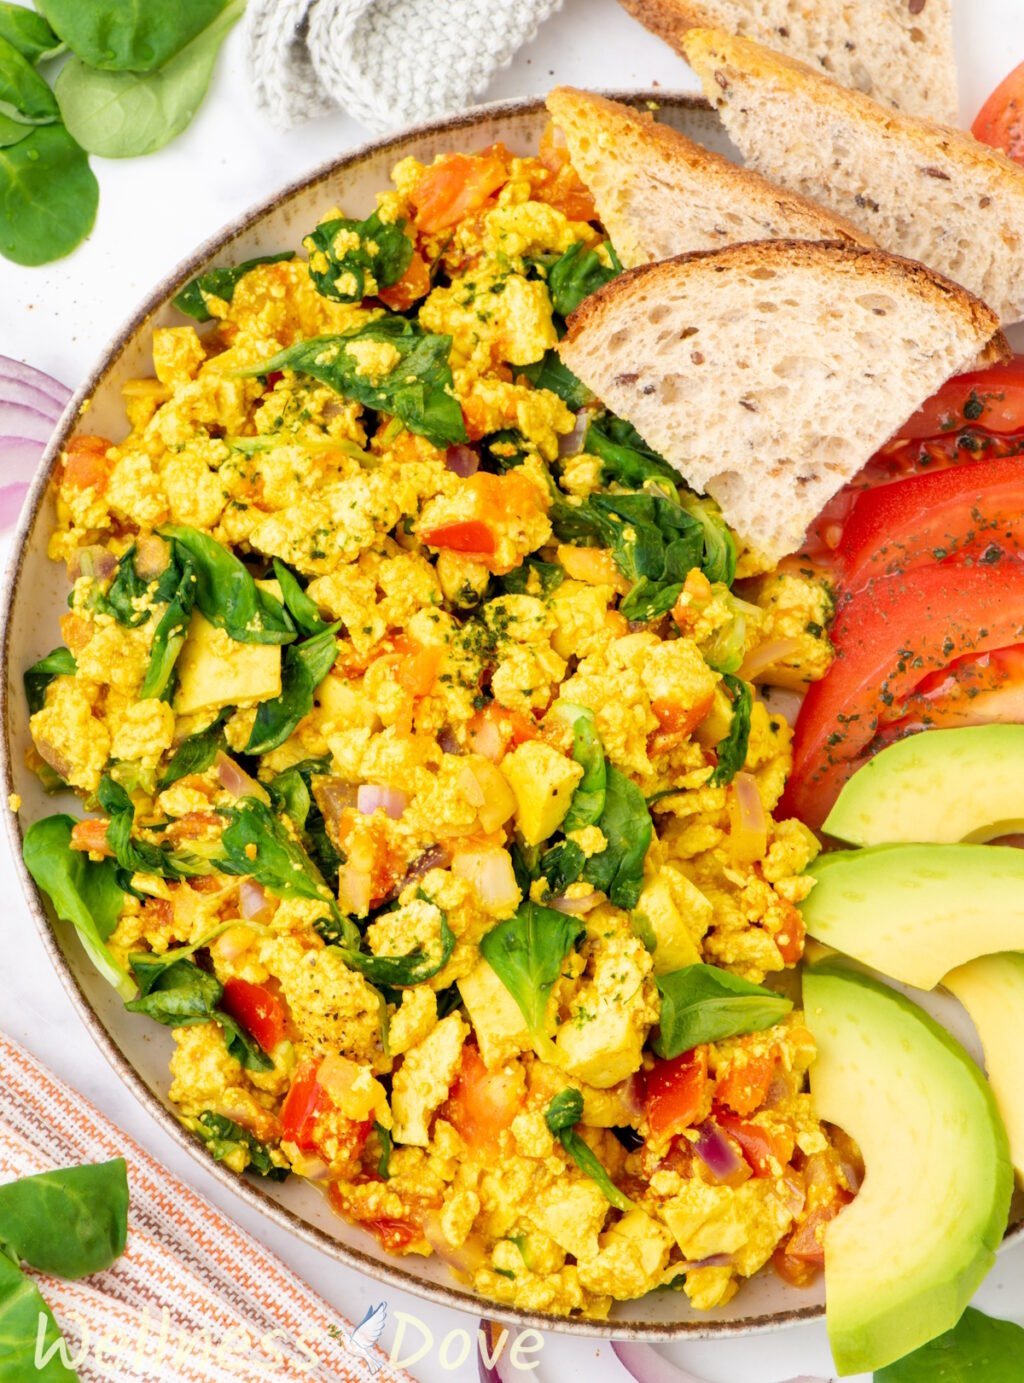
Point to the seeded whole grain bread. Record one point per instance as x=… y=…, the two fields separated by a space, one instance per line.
x=898 y=51
x=769 y=373
x=919 y=189
x=660 y=194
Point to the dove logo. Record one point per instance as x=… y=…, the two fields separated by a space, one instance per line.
x=363 y=1339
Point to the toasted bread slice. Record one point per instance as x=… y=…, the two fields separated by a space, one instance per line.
x=769 y=373
x=898 y=51
x=659 y=194
x=920 y=189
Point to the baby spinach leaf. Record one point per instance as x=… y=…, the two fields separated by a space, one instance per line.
x=704 y=1004
x=533 y=577
x=298 y=604
x=588 y=800
x=562 y=865
x=403 y=971
x=578 y=273
x=141 y=856
x=219 y=283
x=83 y=892
x=626 y=459
x=24 y=97
x=196 y=753
x=416 y=388
x=561 y=1116
x=386 y=1146
x=979 y=1349
x=242 y=1045
x=550 y=373
x=626 y=823
x=132 y=35
x=172 y=627
x=223 y=1137
x=59 y=663
x=527 y=953
x=28 y=32
x=125 y=114
x=342 y=253
x=48 y=196
x=126 y=593
x=70 y=1222
x=180 y=995
x=24 y=1317
x=719 y=560
x=291 y=793
x=732 y=751
x=225 y=592
x=304 y=667
x=276 y=861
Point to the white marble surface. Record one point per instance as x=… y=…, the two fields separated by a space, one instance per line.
x=152 y=212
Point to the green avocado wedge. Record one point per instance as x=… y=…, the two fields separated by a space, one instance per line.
x=904 y=1259
x=915 y=912
x=940 y=786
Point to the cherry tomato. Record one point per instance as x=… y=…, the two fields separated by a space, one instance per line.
x=1000 y=122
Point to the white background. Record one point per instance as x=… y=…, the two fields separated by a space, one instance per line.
x=153 y=211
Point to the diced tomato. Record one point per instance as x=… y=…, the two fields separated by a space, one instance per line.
x=565 y=191
x=91 y=836
x=86 y=465
x=888 y=637
x=471 y=537
x=991 y=399
x=495 y=729
x=257 y=1009
x=393 y=1235
x=766 y=1150
x=975 y=509
x=455 y=186
x=483 y=1103
x=1000 y=122
x=413 y=285
x=744 y=1087
x=802 y=1255
x=676 y=1093
x=790 y=940
x=305 y=1098
x=676 y=722
x=417 y=668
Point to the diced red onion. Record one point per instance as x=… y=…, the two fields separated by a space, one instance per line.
x=766 y=655
x=462 y=460
x=714 y=1260
x=632 y=1093
x=253 y=902
x=852 y=1173
x=782 y=701
x=235 y=780
x=371 y=798
x=577 y=907
x=22 y=420
x=646 y=1365
x=152 y=556
x=464 y=1258
x=334 y=797
x=15 y=376
x=448 y=741
x=748 y=836
x=94 y=560
x=719 y=1156
x=571 y=443
x=501 y=1371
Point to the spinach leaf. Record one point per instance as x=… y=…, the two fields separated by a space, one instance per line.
x=219 y=283
x=533 y=576
x=344 y=253
x=578 y=273
x=181 y=995
x=141 y=856
x=719 y=560
x=277 y=861
x=48 y=196
x=626 y=459
x=416 y=389
x=83 y=892
x=588 y=800
x=59 y=663
x=298 y=604
x=561 y=1116
x=133 y=35
x=504 y=450
x=223 y=1137
x=704 y=1004
x=196 y=753
x=172 y=627
x=225 y=592
x=125 y=596
x=562 y=865
x=386 y=1147
x=28 y=32
x=527 y=953
x=291 y=792
x=626 y=823
x=304 y=667
x=550 y=373
x=24 y=96
x=126 y=114
x=70 y=1222
x=24 y=1317
x=403 y=971
x=732 y=751
x=979 y=1349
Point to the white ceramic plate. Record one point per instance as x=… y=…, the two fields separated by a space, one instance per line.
x=35 y=598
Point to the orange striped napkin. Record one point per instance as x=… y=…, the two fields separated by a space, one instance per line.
x=193 y=1298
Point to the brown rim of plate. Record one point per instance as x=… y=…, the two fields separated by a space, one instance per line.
x=248 y=1188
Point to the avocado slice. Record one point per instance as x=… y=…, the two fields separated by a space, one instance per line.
x=904 y=1259
x=941 y=786
x=991 y=989
x=915 y=912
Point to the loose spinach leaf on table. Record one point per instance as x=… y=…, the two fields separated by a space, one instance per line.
x=59 y=663
x=181 y=995
x=732 y=751
x=219 y=283
x=979 y=1349
x=29 y=1331
x=225 y=592
x=48 y=196
x=24 y=97
x=304 y=667
x=141 y=856
x=578 y=273
x=223 y=1137
x=527 y=953
x=400 y=972
x=588 y=801
x=196 y=753
x=550 y=373
x=704 y=1004
x=84 y=892
x=133 y=35
x=561 y=1116
x=28 y=32
x=70 y=1222
x=343 y=253
x=417 y=388
x=626 y=824
x=298 y=604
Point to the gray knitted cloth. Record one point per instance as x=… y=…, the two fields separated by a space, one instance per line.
x=387 y=62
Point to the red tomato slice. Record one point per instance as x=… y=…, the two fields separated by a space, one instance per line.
x=483 y=1103
x=304 y=1100
x=676 y=1093
x=972 y=508
x=1000 y=122
x=888 y=637
x=472 y=537
x=745 y=1087
x=992 y=399
x=258 y=1010
x=972 y=691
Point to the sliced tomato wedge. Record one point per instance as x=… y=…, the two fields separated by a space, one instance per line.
x=991 y=399
x=472 y=537
x=1000 y=122
x=888 y=637
x=676 y=1093
x=975 y=508
x=971 y=691
x=257 y=1008
x=483 y=1103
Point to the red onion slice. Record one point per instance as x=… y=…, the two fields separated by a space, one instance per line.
x=571 y=443
x=11 y=391
x=719 y=1156
x=15 y=373
x=12 y=497
x=22 y=420
x=253 y=902
x=577 y=907
x=462 y=460
x=392 y=801
x=500 y=1371
x=646 y=1365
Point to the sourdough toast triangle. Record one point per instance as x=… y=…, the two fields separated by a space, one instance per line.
x=769 y=373
x=660 y=194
